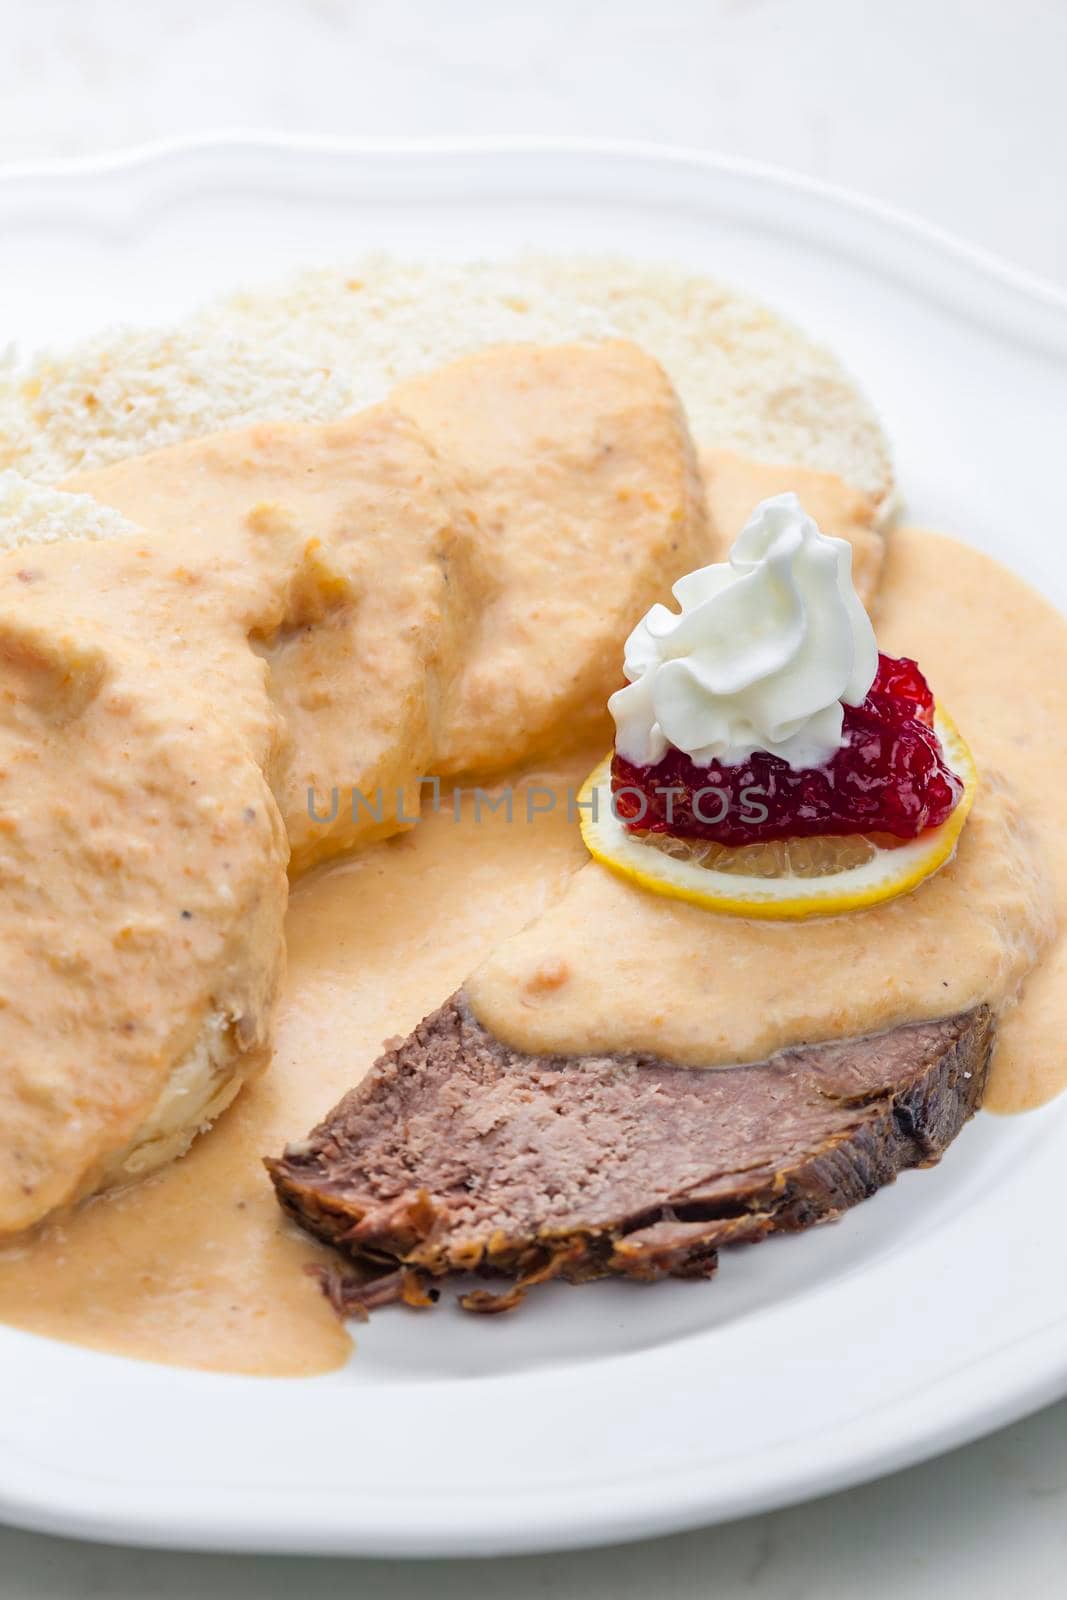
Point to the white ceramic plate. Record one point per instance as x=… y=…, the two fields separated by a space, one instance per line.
x=931 y=1314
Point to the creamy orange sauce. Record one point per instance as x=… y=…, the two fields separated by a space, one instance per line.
x=141 y=853
x=479 y=545
x=196 y=1265
x=314 y=619
x=998 y=654
x=642 y=972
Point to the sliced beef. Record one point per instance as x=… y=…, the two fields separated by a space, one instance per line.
x=458 y=1154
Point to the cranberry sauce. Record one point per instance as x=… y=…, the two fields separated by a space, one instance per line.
x=890 y=776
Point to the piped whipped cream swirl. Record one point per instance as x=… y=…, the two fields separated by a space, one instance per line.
x=767 y=649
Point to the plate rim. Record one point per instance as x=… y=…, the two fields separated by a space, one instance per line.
x=1008 y=297
x=1026 y=287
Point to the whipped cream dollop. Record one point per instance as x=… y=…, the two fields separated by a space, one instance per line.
x=767 y=649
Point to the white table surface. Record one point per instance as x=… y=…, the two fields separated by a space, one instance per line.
x=953 y=110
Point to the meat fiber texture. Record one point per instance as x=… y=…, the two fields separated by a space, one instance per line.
x=457 y=1154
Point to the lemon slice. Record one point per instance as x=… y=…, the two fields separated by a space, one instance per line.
x=846 y=876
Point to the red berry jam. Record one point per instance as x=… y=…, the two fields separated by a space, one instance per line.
x=890 y=776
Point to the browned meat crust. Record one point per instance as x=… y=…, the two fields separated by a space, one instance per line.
x=457 y=1154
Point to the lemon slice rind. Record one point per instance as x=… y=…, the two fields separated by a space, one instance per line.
x=889 y=874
